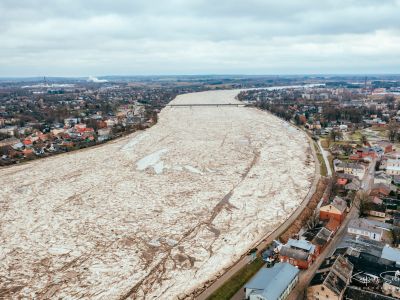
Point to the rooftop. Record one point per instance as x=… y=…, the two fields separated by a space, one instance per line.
x=334 y=273
x=339 y=203
x=294 y=253
x=362 y=245
x=353 y=292
x=391 y=254
x=273 y=281
x=301 y=244
x=365 y=225
x=322 y=236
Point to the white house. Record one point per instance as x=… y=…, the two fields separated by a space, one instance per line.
x=104 y=134
x=366 y=229
x=274 y=283
x=354 y=169
x=393 y=166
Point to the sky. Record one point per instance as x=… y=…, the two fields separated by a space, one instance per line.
x=161 y=37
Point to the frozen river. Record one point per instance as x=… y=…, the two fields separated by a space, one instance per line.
x=155 y=214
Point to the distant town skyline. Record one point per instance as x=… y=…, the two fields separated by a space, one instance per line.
x=84 y=38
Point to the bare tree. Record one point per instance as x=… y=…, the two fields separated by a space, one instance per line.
x=396 y=235
x=393 y=129
x=364 y=139
x=313 y=220
x=361 y=201
x=336 y=135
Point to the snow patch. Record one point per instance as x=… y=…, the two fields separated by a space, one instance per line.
x=59 y=250
x=133 y=142
x=152 y=160
x=193 y=169
x=155 y=243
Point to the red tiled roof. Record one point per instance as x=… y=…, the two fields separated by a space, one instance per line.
x=332 y=225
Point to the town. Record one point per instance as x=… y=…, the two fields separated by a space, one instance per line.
x=343 y=243
x=42 y=118
x=347 y=245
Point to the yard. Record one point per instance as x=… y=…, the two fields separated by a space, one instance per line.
x=238 y=280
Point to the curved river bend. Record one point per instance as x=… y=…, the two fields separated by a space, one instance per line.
x=155 y=214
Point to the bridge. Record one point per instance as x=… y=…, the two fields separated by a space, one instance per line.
x=208 y=104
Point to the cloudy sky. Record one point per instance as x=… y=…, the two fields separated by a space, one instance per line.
x=132 y=37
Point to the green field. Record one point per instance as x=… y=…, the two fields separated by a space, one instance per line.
x=237 y=281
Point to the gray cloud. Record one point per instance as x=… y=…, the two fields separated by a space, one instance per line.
x=74 y=37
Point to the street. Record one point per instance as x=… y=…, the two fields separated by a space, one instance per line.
x=306 y=275
x=368 y=179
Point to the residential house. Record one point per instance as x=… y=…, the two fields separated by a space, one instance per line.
x=103 y=134
x=365 y=152
x=381 y=177
x=386 y=146
x=331 y=279
x=362 y=227
x=57 y=131
x=9 y=130
x=318 y=237
x=336 y=210
x=354 y=185
x=28 y=152
x=341 y=181
x=18 y=146
x=9 y=142
x=392 y=166
x=376 y=200
x=356 y=293
x=274 y=283
x=391 y=254
x=354 y=169
x=300 y=253
x=377 y=210
x=332 y=225
x=111 y=122
x=391 y=285
x=69 y=122
x=380 y=190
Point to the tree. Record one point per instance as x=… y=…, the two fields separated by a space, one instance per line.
x=396 y=235
x=91 y=123
x=391 y=101
x=362 y=203
x=328 y=141
x=3 y=136
x=313 y=220
x=336 y=135
x=393 y=129
x=364 y=139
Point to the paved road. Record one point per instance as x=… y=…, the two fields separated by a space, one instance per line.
x=306 y=275
x=325 y=156
x=266 y=240
x=368 y=179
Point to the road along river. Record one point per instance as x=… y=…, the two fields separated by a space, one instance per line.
x=155 y=214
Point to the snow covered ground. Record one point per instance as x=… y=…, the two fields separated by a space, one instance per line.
x=155 y=214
